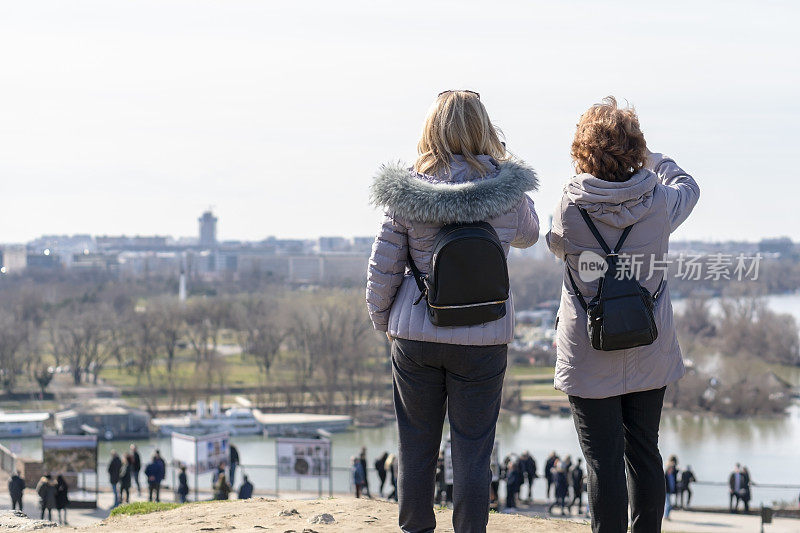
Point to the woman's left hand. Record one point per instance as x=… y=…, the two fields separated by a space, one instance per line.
x=389 y=336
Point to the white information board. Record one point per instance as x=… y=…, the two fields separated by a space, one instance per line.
x=201 y=453
x=310 y=458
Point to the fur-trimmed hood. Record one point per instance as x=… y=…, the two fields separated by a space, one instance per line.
x=431 y=199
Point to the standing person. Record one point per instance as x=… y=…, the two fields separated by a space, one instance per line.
x=494 y=487
x=125 y=478
x=380 y=467
x=47 y=495
x=136 y=466
x=114 y=469
x=162 y=465
x=562 y=487
x=617 y=395
x=513 y=483
x=745 y=490
x=548 y=471
x=154 y=474
x=463 y=175
x=183 y=485
x=687 y=478
x=16 y=488
x=671 y=482
x=735 y=484
x=576 y=480
x=234 y=458
x=246 y=490
x=391 y=469
x=674 y=488
x=358 y=475
x=440 y=493
x=222 y=489
x=363 y=458
x=62 y=499
x=529 y=468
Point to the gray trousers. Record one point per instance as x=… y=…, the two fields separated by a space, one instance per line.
x=431 y=379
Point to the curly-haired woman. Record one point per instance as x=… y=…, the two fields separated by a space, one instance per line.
x=616 y=396
x=463 y=174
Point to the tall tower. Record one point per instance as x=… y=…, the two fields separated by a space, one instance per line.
x=208 y=229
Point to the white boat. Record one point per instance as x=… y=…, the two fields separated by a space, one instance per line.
x=22 y=424
x=234 y=421
x=301 y=424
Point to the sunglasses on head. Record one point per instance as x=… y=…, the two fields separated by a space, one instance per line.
x=477 y=95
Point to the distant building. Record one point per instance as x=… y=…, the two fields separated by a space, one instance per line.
x=13 y=259
x=44 y=260
x=208 y=230
x=98 y=262
x=123 y=242
x=363 y=244
x=782 y=246
x=333 y=244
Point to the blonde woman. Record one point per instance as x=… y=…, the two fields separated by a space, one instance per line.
x=629 y=195
x=463 y=174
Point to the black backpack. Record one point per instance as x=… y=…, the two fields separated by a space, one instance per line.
x=467 y=280
x=620 y=315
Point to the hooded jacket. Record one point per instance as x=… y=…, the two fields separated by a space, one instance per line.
x=656 y=199
x=416 y=207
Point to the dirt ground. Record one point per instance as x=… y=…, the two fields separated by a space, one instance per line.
x=263 y=515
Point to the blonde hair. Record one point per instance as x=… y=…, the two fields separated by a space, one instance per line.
x=457 y=123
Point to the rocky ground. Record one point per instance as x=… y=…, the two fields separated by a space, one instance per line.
x=300 y=516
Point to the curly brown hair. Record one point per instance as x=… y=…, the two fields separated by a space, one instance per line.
x=608 y=143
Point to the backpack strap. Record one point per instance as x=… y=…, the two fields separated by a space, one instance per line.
x=609 y=253
x=576 y=290
x=599 y=238
x=418 y=277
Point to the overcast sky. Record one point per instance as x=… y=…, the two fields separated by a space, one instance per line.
x=134 y=116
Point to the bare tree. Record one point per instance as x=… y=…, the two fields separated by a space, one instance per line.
x=13 y=336
x=259 y=330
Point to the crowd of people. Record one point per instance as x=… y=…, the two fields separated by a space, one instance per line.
x=565 y=480
x=52 y=493
x=123 y=473
x=386 y=468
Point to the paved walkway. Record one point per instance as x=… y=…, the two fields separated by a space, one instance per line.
x=690 y=521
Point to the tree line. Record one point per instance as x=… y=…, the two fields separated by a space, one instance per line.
x=322 y=337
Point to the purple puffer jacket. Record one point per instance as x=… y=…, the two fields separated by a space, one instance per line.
x=417 y=206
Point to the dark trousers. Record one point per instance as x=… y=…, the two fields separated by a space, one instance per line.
x=685 y=491
x=466 y=382
x=49 y=512
x=154 y=492
x=232 y=470
x=616 y=434
x=382 y=477
x=577 y=497
x=16 y=501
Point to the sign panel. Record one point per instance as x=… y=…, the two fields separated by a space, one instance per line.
x=69 y=454
x=201 y=453
x=310 y=458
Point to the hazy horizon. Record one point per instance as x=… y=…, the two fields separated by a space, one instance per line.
x=133 y=117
